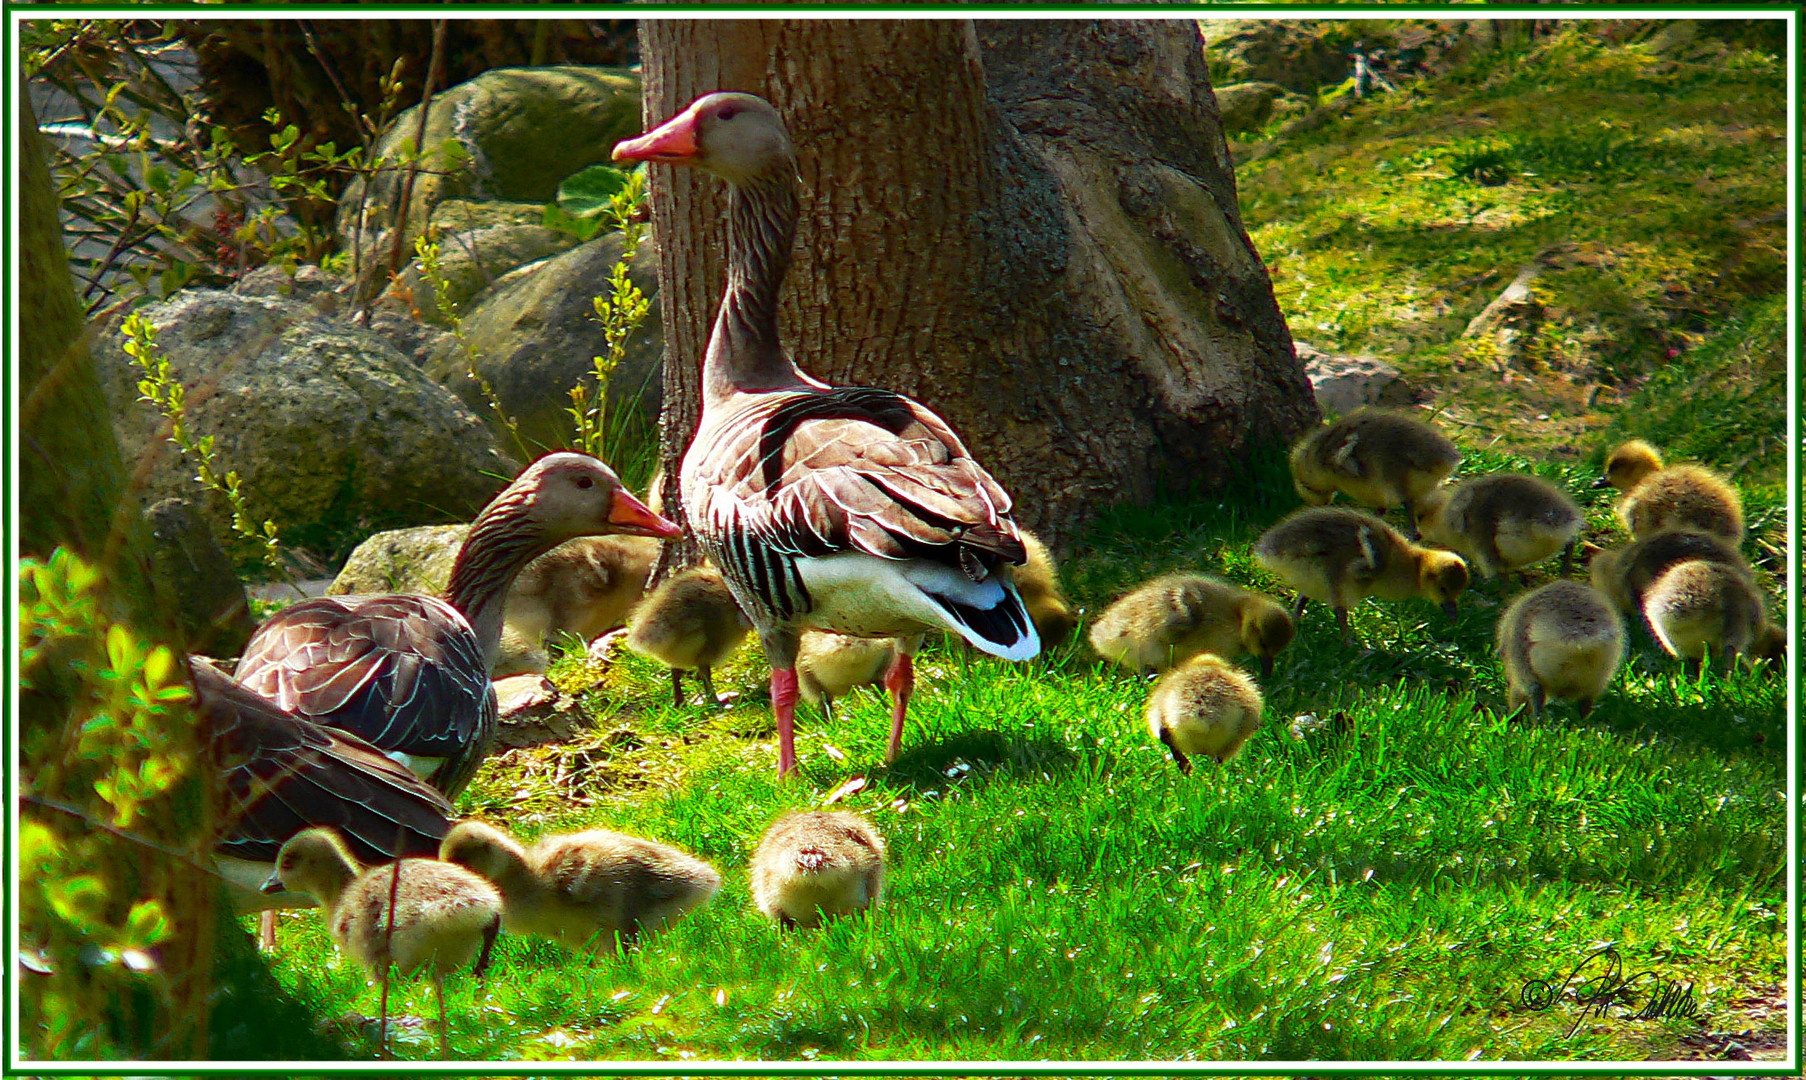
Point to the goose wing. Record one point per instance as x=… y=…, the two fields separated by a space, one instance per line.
x=403 y=672
x=280 y=774
x=814 y=473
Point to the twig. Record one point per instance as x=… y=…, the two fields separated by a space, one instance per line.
x=435 y=68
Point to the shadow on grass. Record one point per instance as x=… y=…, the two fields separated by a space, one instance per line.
x=987 y=752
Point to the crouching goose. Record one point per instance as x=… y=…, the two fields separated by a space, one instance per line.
x=279 y=775
x=848 y=509
x=411 y=673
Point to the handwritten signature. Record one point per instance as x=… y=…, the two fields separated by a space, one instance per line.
x=1600 y=985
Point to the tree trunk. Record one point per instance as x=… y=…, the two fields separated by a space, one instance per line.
x=1030 y=226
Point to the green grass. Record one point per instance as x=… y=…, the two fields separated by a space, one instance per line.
x=1384 y=890
x=1381 y=893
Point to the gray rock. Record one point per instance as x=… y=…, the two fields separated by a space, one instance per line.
x=193 y=576
x=535 y=335
x=1248 y=106
x=417 y=560
x=520 y=132
x=332 y=431
x=471 y=262
x=1345 y=383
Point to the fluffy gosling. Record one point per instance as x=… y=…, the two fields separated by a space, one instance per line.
x=1563 y=640
x=1624 y=574
x=812 y=865
x=1671 y=497
x=1376 y=457
x=828 y=666
x=593 y=887
x=584 y=587
x=1502 y=522
x=689 y=623
x=1204 y=706
x=1342 y=556
x=1173 y=618
x=1038 y=580
x=443 y=914
x=1696 y=607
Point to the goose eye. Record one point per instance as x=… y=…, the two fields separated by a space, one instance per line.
x=726 y=112
x=585 y=482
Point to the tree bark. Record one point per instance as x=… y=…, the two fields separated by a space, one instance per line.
x=1029 y=226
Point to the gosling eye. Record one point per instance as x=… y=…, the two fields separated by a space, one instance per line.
x=586 y=482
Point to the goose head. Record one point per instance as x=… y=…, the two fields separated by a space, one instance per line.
x=566 y=495
x=735 y=136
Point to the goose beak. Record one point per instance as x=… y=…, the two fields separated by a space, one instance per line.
x=674 y=140
x=272 y=884
x=631 y=516
x=1449 y=609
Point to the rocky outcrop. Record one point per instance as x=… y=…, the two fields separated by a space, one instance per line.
x=1345 y=383
x=332 y=432
x=194 y=578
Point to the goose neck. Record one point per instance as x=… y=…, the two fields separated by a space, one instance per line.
x=502 y=541
x=744 y=352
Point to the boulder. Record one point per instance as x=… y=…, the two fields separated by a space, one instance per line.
x=192 y=574
x=417 y=560
x=1345 y=383
x=331 y=430
x=1248 y=106
x=479 y=243
x=518 y=133
x=535 y=335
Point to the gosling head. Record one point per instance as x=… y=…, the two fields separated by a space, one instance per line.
x=1627 y=466
x=1266 y=629
x=1441 y=577
x=315 y=862
x=1301 y=464
x=484 y=849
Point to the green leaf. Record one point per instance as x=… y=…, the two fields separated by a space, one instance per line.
x=586 y=193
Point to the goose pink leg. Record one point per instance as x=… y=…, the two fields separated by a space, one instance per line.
x=900 y=680
x=783 y=703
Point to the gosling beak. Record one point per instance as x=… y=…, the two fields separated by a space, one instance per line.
x=674 y=140
x=633 y=517
x=1602 y=482
x=1448 y=608
x=1266 y=667
x=272 y=884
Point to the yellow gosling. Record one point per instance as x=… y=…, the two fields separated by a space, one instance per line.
x=1502 y=522
x=691 y=622
x=1204 y=706
x=1173 y=618
x=1340 y=557
x=1563 y=640
x=814 y=865
x=1376 y=457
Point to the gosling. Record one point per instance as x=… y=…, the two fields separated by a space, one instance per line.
x=1173 y=618
x=1624 y=574
x=1376 y=457
x=1343 y=556
x=689 y=623
x=813 y=865
x=443 y=915
x=1502 y=522
x=1038 y=582
x=1671 y=497
x=829 y=666
x=596 y=887
x=1696 y=607
x=1204 y=706
x=584 y=587
x=1563 y=640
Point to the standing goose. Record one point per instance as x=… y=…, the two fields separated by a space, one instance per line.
x=280 y=775
x=834 y=508
x=411 y=673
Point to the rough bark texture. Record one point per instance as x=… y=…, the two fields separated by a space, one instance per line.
x=1031 y=227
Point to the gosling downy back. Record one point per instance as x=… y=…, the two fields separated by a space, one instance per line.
x=1204 y=706
x=1562 y=640
x=1697 y=607
x=691 y=622
x=1343 y=556
x=1625 y=573
x=1659 y=496
x=1172 y=618
x=817 y=864
x=1376 y=457
x=1502 y=521
x=828 y=666
x=584 y=587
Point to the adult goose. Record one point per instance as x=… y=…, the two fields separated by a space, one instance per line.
x=279 y=774
x=848 y=509
x=411 y=673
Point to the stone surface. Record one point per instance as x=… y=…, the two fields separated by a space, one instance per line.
x=1298 y=54
x=333 y=433
x=479 y=244
x=533 y=712
x=1247 y=106
x=535 y=335
x=191 y=572
x=417 y=560
x=519 y=133
x=1345 y=383
x=1506 y=326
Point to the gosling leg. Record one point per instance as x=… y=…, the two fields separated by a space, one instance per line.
x=708 y=684
x=1567 y=556
x=1298 y=608
x=1179 y=757
x=677 y=687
